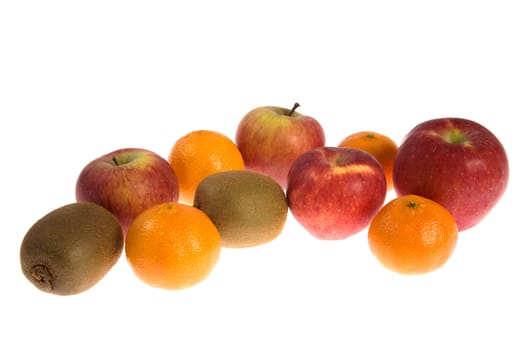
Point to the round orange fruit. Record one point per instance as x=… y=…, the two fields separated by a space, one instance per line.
x=383 y=148
x=199 y=154
x=412 y=235
x=172 y=246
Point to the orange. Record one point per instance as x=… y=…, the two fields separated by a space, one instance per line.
x=383 y=148
x=199 y=154
x=172 y=246
x=412 y=235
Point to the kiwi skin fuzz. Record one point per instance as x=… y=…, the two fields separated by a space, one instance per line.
x=248 y=208
x=71 y=248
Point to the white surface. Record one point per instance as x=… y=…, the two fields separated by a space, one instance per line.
x=79 y=80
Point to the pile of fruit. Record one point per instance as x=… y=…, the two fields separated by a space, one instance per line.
x=172 y=216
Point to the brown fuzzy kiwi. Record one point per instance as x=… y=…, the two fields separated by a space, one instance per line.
x=71 y=248
x=248 y=208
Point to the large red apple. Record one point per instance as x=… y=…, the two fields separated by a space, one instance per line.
x=271 y=138
x=335 y=192
x=127 y=181
x=455 y=162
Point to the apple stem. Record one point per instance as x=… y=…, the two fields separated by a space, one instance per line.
x=295 y=106
x=114 y=159
x=455 y=136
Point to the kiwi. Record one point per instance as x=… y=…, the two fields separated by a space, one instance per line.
x=71 y=248
x=247 y=207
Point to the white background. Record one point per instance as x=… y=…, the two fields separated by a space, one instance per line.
x=80 y=79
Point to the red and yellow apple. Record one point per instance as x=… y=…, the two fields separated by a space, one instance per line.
x=335 y=192
x=126 y=182
x=455 y=162
x=270 y=138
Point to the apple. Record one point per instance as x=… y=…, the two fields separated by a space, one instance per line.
x=126 y=182
x=455 y=162
x=335 y=192
x=271 y=138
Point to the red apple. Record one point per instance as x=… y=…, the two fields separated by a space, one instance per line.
x=271 y=138
x=455 y=162
x=126 y=182
x=335 y=192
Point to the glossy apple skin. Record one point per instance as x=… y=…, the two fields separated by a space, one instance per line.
x=335 y=192
x=141 y=180
x=270 y=140
x=468 y=176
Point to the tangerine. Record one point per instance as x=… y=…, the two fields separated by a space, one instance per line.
x=412 y=235
x=382 y=147
x=199 y=154
x=172 y=246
